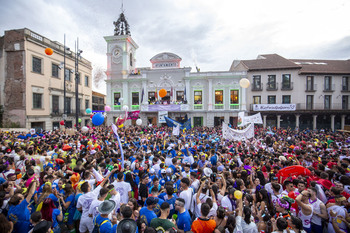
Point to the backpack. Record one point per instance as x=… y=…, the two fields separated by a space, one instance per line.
x=97 y=226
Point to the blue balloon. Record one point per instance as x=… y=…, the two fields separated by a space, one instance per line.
x=98 y=119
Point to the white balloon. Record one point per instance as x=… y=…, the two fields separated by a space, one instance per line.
x=125 y=108
x=244 y=83
x=138 y=122
x=121 y=99
x=84 y=129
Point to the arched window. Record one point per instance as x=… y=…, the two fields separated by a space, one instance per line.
x=130 y=59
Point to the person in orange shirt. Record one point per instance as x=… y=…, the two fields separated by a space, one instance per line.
x=203 y=224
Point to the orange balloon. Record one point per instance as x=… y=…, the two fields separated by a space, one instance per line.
x=48 y=51
x=162 y=93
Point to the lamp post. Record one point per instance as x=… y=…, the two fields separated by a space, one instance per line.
x=64 y=116
x=77 y=107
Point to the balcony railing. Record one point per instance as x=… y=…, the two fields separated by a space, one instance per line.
x=117 y=107
x=320 y=106
x=234 y=106
x=287 y=86
x=310 y=88
x=271 y=86
x=329 y=88
x=135 y=107
x=218 y=106
x=257 y=87
x=197 y=106
x=345 y=88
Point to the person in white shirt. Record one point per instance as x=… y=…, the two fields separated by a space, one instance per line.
x=319 y=211
x=123 y=188
x=85 y=201
x=187 y=172
x=187 y=193
x=306 y=210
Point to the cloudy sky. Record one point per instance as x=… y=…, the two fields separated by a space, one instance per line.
x=208 y=33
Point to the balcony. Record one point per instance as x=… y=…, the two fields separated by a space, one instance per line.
x=310 y=88
x=198 y=106
x=329 y=88
x=234 y=106
x=56 y=113
x=164 y=107
x=257 y=87
x=117 y=107
x=271 y=86
x=135 y=107
x=345 y=88
x=218 y=106
x=321 y=106
x=287 y=86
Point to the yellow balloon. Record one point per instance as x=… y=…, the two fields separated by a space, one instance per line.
x=238 y=194
x=96 y=145
x=121 y=126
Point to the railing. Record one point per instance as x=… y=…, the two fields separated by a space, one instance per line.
x=345 y=88
x=287 y=86
x=321 y=106
x=257 y=87
x=135 y=107
x=272 y=87
x=218 y=106
x=234 y=106
x=329 y=88
x=117 y=107
x=198 y=106
x=310 y=88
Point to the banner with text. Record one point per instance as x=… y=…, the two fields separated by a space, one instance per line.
x=237 y=135
x=161 y=116
x=274 y=107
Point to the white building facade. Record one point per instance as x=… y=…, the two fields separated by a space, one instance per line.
x=208 y=98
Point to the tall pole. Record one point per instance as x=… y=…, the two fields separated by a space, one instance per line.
x=76 y=84
x=64 y=80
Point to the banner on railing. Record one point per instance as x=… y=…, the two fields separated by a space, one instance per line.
x=274 y=107
x=134 y=115
x=237 y=135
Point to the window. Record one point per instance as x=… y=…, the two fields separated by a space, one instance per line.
x=130 y=59
x=345 y=83
x=345 y=102
x=257 y=82
x=327 y=101
x=135 y=98
x=286 y=84
x=86 y=81
x=151 y=96
x=37 y=101
x=55 y=70
x=197 y=97
x=234 y=97
x=310 y=83
x=257 y=99
x=87 y=104
x=68 y=105
x=271 y=82
x=179 y=96
x=116 y=98
x=219 y=98
x=67 y=74
x=55 y=104
x=327 y=83
x=309 y=102
x=286 y=99
x=271 y=99
x=37 y=65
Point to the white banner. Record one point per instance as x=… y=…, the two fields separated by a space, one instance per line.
x=240 y=119
x=274 y=107
x=245 y=120
x=161 y=115
x=237 y=135
x=176 y=130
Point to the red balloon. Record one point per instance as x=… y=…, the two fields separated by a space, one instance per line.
x=48 y=51
x=61 y=122
x=292 y=195
x=91 y=116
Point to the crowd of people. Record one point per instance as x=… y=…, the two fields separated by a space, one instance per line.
x=156 y=182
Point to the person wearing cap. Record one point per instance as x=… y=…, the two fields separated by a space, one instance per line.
x=101 y=221
x=162 y=223
x=146 y=212
x=183 y=220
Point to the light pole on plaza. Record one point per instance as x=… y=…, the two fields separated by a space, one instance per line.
x=77 y=57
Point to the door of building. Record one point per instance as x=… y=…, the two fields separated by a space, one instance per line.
x=197 y=121
x=218 y=121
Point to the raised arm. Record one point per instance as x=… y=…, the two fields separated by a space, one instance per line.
x=31 y=191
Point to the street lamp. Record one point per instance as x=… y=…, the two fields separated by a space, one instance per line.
x=78 y=53
x=64 y=81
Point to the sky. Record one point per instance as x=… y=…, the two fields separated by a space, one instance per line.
x=204 y=33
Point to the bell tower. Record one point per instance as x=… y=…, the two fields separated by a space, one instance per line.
x=121 y=49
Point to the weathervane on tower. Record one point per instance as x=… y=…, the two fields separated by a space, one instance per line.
x=121 y=25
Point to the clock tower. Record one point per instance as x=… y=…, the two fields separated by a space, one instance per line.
x=121 y=50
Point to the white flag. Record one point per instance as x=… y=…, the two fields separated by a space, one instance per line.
x=176 y=130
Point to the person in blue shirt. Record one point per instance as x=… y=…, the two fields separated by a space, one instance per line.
x=170 y=198
x=154 y=193
x=147 y=213
x=18 y=209
x=101 y=221
x=183 y=220
x=68 y=205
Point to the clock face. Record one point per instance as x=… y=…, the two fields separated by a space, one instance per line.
x=117 y=52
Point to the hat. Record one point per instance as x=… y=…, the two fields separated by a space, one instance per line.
x=168 y=170
x=127 y=226
x=207 y=171
x=163 y=171
x=152 y=201
x=42 y=227
x=106 y=207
